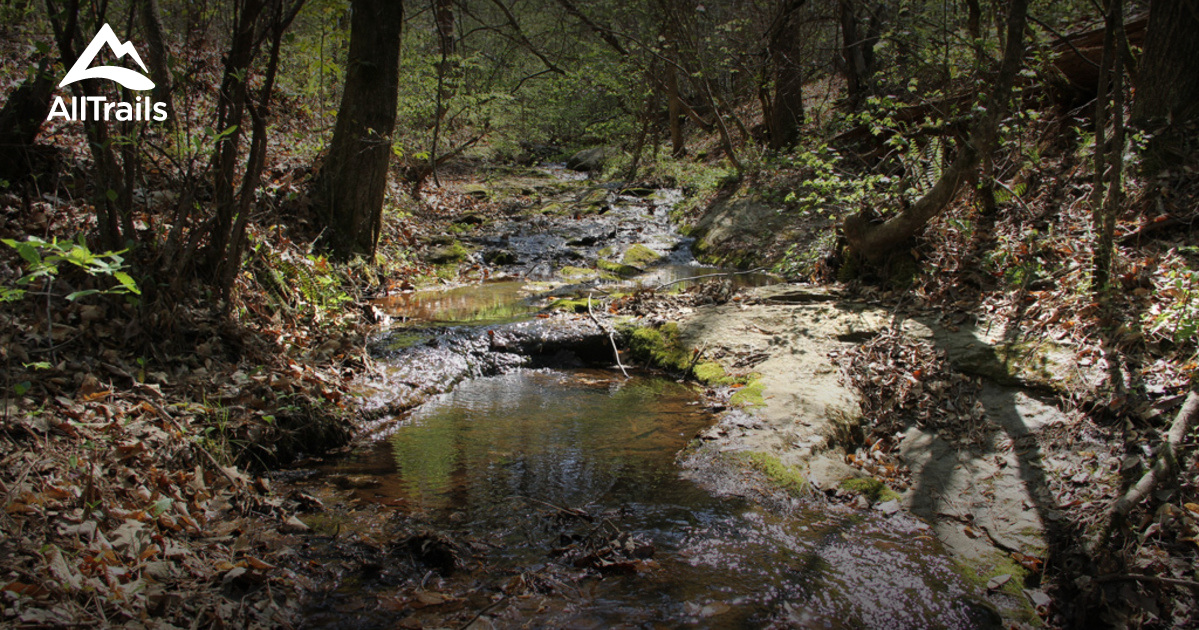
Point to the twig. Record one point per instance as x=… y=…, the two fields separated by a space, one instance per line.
x=611 y=337
x=1156 y=579
x=1063 y=39
x=480 y=613
x=710 y=275
x=237 y=483
x=1014 y=195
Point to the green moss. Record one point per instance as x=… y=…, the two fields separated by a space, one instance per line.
x=902 y=271
x=553 y=208
x=870 y=488
x=621 y=271
x=850 y=268
x=785 y=477
x=982 y=570
x=577 y=272
x=607 y=252
x=639 y=256
x=749 y=396
x=570 y=305
x=709 y=373
x=452 y=253
x=477 y=191
x=401 y=340
x=661 y=347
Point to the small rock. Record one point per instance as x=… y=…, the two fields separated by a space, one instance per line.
x=294 y=526
x=1038 y=598
x=998 y=581
x=888 y=507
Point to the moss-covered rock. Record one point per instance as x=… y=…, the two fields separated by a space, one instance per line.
x=617 y=269
x=577 y=273
x=639 y=256
x=751 y=395
x=660 y=347
x=452 y=253
x=477 y=191
x=871 y=488
x=570 y=305
x=780 y=475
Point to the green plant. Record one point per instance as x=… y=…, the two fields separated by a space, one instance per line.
x=45 y=257
x=1178 y=318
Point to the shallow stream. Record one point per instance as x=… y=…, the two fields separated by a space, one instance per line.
x=529 y=470
x=519 y=495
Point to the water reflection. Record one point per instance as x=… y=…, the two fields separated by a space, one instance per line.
x=485 y=304
x=486 y=460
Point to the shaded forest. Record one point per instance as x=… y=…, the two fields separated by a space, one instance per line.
x=200 y=247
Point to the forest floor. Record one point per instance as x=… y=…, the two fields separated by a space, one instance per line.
x=986 y=391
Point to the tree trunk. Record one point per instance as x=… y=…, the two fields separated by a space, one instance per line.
x=851 y=51
x=875 y=241
x=1109 y=159
x=353 y=181
x=1167 y=95
x=447 y=74
x=21 y=121
x=156 y=42
x=231 y=109
x=786 y=110
x=974 y=27
x=113 y=199
x=674 y=109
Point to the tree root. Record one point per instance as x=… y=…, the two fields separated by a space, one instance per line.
x=1165 y=464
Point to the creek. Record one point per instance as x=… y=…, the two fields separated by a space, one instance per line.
x=509 y=482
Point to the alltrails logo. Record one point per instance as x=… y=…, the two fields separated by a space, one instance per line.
x=99 y=107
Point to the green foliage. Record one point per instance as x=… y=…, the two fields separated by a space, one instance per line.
x=1020 y=261
x=828 y=188
x=310 y=284
x=1177 y=318
x=751 y=395
x=44 y=259
x=804 y=261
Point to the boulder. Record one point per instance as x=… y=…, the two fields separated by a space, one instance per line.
x=588 y=160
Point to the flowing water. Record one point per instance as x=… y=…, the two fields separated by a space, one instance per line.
x=513 y=462
x=554 y=497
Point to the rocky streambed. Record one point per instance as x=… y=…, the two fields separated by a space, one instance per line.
x=509 y=475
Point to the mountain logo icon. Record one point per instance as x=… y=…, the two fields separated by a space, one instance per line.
x=126 y=77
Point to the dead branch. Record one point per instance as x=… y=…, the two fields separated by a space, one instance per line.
x=611 y=337
x=1165 y=464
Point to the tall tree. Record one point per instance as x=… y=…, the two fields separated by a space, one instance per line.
x=447 y=72
x=857 y=49
x=1109 y=160
x=158 y=57
x=786 y=108
x=353 y=180
x=21 y=120
x=1167 y=95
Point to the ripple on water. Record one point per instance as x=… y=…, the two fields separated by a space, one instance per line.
x=485 y=460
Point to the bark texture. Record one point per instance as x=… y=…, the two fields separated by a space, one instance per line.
x=353 y=181
x=786 y=109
